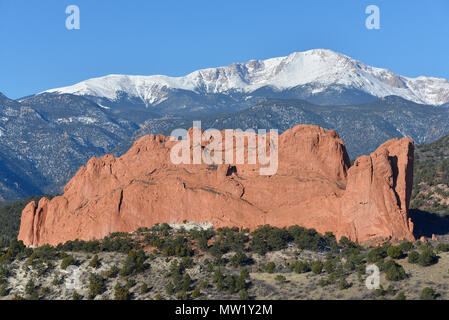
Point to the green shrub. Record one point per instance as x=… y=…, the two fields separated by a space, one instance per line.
x=270 y=267
x=442 y=247
x=240 y=259
x=122 y=294
x=376 y=255
x=134 y=263
x=244 y=273
x=178 y=246
x=4 y=291
x=428 y=294
x=406 y=246
x=209 y=267
x=203 y=284
x=343 y=284
x=196 y=293
x=280 y=278
x=244 y=295
x=57 y=280
x=240 y=283
x=96 y=285
x=170 y=288
x=144 y=288
x=186 y=282
x=130 y=283
x=187 y=262
x=395 y=252
x=390 y=290
x=301 y=267
x=330 y=265
x=354 y=261
x=44 y=291
x=181 y=295
x=400 y=296
x=380 y=292
x=68 y=261
x=424 y=246
x=317 y=267
x=30 y=287
x=427 y=258
x=310 y=239
x=413 y=257
x=76 y=296
x=95 y=262
x=324 y=282
x=112 y=273
x=394 y=271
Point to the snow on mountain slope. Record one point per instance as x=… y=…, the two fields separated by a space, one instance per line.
x=320 y=68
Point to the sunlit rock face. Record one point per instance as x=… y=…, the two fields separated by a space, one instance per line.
x=314 y=186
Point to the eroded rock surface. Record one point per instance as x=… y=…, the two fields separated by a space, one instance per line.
x=314 y=186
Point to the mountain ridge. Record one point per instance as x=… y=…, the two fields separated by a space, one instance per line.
x=318 y=69
x=364 y=127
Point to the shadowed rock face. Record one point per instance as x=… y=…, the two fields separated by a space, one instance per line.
x=313 y=187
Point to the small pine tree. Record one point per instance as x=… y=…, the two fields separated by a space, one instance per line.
x=395 y=252
x=68 y=261
x=143 y=288
x=76 y=296
x=186 y=282
x=244 y=273
x=427 y=294
x=413 y=257
x=122 y=294
x=427 y=258
x=270 y=267
x=30 y=287
x=400 y=296
x=95 y=262
x=317 y=267
x=343 y=284
x=4 y=290
x=244 y=295
x=280 y=278
x=169 y=288
x=196 y=293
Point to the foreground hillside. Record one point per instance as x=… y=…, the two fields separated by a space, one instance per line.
x=169 y=262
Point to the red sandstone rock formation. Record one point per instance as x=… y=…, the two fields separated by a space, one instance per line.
x=313 y=187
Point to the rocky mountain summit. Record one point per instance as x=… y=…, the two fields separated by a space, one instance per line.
x=319 y=75
x=314 y=186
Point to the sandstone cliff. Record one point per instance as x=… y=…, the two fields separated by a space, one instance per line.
x=314 y=187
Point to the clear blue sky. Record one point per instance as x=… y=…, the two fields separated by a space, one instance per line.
x=176 y=37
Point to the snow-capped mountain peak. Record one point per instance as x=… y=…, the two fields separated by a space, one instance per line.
x=318 y=68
